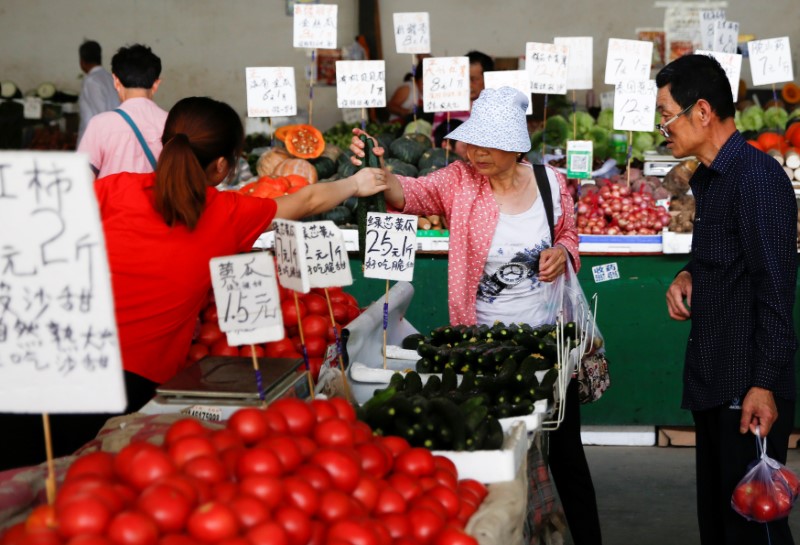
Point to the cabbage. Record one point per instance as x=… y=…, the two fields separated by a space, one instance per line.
x=775 y=118
x=606 y=119
x=556 y=131
x=419 y=126
x=583 y=122
x=752 y=118
x=642 y=141
x=795 y=113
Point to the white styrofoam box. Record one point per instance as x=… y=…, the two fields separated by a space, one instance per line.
x=532 y=421
x=492 y=466
x=635 y=436
x=620 y=244
x=677 y=243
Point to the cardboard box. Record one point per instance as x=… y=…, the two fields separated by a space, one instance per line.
x=492 y=466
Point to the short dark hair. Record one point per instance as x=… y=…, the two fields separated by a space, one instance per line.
x=90 y=52
x=486 y=62
x=136 y=67
x=695 y=77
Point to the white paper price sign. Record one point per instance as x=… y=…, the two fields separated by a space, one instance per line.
x=315 y=25
x=517 y=79
x=770 y=61
x=445 y=84
x=247 y=298
x=547 y=67
x=412 y=32
x=726 y=36
x=32 y=108
x=290 y=255
x=580 y=62
x=59 y=349
x=361 y=84
x=270 y=92
x=628 y=60
x=635 y=105
x=732 y=64
x=389 y=246
x=326 y=256
x=708 y=20
x=579 y=158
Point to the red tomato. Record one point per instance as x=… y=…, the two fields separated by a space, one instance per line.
x=390 y=501
x=222 y=348
x=446 y=478
x=340 y=313
x=197 y=352
x=353 y=312
x=90 y=485
x=379 y=529
x=210 y=333
x=425 y=524
x=475 y=486
x=225 y=439
x=176 y=539
x=323 y=409
x=454 y=536
x=447 y=498
x=210 y=314
x=465 y=512
x=286 y=449
x=415 y=461
x=427 y=483
x=249 y=511
x=426 y=502
x=268 y=533
x=43 y=517
x=315 y=304
x=353 y=532
x=406 y=485
x=397 y=524
x=334 y=505
x=132 y=528
x=314 y=324
x=212 y=522
x=289 y=311
x=376 y=460
x=278 y=348
x=259 y=461
x=306 y=445
x=267 y=489
x=341 y=465
x=247 y=351
x=185 y=427
x=791 y=479
x=168 y=507
x=333 y=334
x=315 y=476
x=84 y=515
x=366 y=492
x=763 y=508
x=186 y=448
x=299 y=493
x=338 y=296
x=362 y=433
x=147 y=465
x=276 y=422
x=744 y=494
x=298 y=414
x=334 y=432
x=396 y=445
x=206 y=468
x=85 y=540
x=249 y=424
x=295 y=523
x=314 y=367
x=315 y=344
x=343 y=408
x=97 y=463
x=442 y=462
x=14 y=535
x=224 y=491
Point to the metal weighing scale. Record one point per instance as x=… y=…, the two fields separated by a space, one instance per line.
x=658 y=165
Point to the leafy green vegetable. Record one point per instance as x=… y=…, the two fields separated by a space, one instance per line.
x=605 y=119
x=775 y=118
x=752 y=118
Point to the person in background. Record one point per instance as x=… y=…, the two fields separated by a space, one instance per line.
x=508 y=240
x=738 y=289
x=97 y=90
x=478 y=64
x=455 y=146
x=128 y=139
x=402 y=103
x=161 y=229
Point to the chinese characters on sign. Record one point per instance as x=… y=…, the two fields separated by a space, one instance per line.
x=517 y=79
x=445 y=84
x=732 y=64
x=580 y=62
x=389 y=246
x=290 y=255
x=770 y=61
x=726 y=37
x=412 y=32
x=708 y=22
x=547 y=67
x=326 y=256
x=270 y=92
x=635 y=105
x=603 y=273
x=315 y=26
x=361 y=84
x=59 y=350
x=628 y=60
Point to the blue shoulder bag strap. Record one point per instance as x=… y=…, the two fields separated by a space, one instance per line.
x=145 y=147
x=543 y=183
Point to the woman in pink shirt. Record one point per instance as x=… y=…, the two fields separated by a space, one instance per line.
x=506 y=243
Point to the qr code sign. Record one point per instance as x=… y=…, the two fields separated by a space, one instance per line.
x=603 y=273
x=579 y=163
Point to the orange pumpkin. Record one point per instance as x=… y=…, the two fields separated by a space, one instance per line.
x=295 y=180
x=304 y=141
x=297 y=166
x=280 y=132
x=790 y=93
x=270 y=160
x=770 y=140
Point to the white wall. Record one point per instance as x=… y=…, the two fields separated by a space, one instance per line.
x=205 y=45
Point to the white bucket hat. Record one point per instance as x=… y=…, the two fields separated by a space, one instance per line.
x=497 y=121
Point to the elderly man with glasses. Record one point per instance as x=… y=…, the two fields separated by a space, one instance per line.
x=738 y=289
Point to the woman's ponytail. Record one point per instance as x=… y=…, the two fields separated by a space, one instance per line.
x=180 y=189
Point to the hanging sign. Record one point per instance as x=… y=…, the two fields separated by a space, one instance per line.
x=708 y=19
x=389 y=246
x=315 y=25
x=361 y=84
x=628 y=60
x=271 y=92
x=326 y=256
x=290 y=255
x=635 y=106
x=445 y=84
x=770 y=61
x=732 y=64
x=412 y=32
x=580 y=72
x=726 y=37
x=32 y=108
x=517 y=79
x=59 y=349
x=547 y=67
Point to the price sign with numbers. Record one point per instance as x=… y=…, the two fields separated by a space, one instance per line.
x=412 y=32
x=770 y=61
x=708 y=21
x=726 y=37
x=59 y=349
x=361 y=84
x=389 y=246
x=326 y=256
x=247 y=298
x=635 y=105
x=315 y=25
x=290 y=255
x=270 y=92
x=547 y=67
x=580 y=74
x=732 y=64
x=579 y=159
x=517 y=79
x=628 y=60
x=445 y=84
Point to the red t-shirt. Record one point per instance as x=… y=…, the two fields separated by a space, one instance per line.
x=160 y=274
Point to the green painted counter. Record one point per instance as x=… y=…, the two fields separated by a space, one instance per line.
x=645 y=348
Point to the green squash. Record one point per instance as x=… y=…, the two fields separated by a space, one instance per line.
x=325 y=167
x=346 y=169
x=340 y=215
x=407 y=149
x=436 y=157
x=400 y=168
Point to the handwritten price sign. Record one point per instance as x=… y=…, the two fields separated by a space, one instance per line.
x=726 y=36
x=412 y=32
x=580 y=61
x=770 y=61
x=270 y=92
x=326 y=257
x=708 y=22
x=315 y=26
x=361 y=84
x=290 y=255
x=389 y=246
x=635 y=105
x=517 y=79
x=445 y=84
x=547 y=67
x=732 y=64
x=59 y=350
x=628 y=60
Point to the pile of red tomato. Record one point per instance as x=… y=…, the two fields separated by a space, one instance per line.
x=315 y=318
x=767 y=501
x=296 y=473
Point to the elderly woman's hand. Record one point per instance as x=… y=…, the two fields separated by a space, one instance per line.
x=357 y=147
x=552 y=263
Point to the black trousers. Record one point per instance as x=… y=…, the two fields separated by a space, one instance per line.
x=571 y=474
x=723 y=456
x=68 y=432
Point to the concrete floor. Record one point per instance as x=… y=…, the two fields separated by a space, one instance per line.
x=646 y=495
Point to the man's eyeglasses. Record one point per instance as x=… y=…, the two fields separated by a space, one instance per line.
x=662 y=127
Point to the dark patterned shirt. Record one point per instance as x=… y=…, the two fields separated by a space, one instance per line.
x=744 y=268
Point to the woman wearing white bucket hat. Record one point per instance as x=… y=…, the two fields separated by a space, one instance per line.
x=505 y=242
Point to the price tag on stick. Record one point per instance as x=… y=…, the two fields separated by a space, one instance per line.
x=445 y=84
x=635 y=105
x=628 y=60
x=290 y=255
x=412 y=32
x=390 y=246
x=518 y=79
x=732 y=64
x=315 y=26
x=770 y=61
x=580 y=72
x=271 y=92
x=326 y=260
x=726 y=37
x=361 y=84
x=547 y=67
